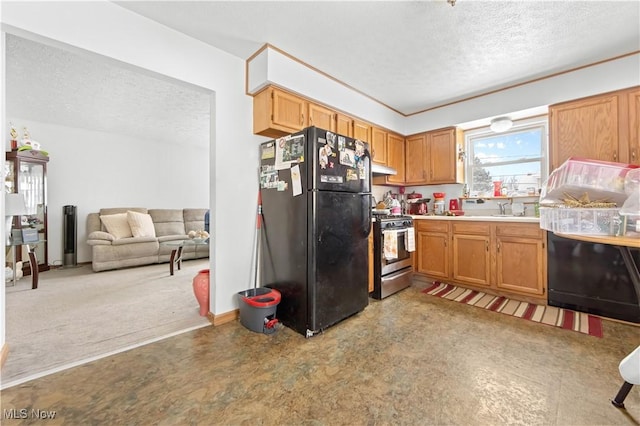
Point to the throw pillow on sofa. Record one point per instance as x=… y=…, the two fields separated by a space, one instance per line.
x=141 y=224
x=117 y=225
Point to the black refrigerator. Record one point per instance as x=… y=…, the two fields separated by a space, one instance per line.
x=315 y=189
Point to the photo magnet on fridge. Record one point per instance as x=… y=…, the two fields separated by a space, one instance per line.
x=348 y=158
x=268 y=151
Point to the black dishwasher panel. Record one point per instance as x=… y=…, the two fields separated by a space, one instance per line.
x=592 y=278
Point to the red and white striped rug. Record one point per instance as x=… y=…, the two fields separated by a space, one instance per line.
x=549 y=315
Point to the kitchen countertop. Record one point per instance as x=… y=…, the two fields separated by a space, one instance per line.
x=520 y=219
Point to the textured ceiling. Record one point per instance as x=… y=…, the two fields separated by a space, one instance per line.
x=52 y=85
x=414 y=55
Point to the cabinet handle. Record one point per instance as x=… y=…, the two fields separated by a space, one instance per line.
x=486 y=243
x=302 y=119
x=615 y=155
x=498 y=247
x=633 y=155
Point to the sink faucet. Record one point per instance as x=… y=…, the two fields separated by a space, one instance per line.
x=501 y=206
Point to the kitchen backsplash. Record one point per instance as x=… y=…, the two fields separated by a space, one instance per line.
x=488 y=206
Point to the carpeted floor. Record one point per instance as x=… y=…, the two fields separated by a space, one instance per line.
x=77 y=315
x=549 y=315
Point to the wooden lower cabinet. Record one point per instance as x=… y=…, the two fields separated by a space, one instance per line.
x=471 y=253
x=521 y=260
x=433 y=248
x=499 y=257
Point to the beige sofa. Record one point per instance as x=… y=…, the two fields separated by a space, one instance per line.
x=137 y=233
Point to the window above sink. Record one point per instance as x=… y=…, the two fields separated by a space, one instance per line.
x=517 y=158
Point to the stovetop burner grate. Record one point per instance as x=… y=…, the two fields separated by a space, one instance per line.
x=386 y=217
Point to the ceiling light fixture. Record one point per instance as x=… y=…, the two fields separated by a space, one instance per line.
x=451 y=2
x=501 y=124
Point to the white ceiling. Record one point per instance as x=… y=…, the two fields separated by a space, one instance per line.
x=409 y=55
x=52 y=85
x=415 y=55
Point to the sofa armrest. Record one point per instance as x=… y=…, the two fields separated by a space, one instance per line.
x=100 y=236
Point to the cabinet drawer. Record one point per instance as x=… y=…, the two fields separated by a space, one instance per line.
x=432 y=225
x=472 y=228
x=524 y=230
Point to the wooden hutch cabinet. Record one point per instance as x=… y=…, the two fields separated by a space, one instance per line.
x=26 y=173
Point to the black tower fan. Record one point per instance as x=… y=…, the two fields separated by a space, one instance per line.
x=70 y=231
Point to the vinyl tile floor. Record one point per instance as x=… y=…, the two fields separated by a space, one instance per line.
x=410 y=359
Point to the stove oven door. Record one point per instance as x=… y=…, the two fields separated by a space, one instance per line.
x=394 y=274
x=404 y=257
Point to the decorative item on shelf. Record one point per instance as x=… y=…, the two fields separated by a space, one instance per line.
x=201 y=290
x=14 y=205
x=14 y=137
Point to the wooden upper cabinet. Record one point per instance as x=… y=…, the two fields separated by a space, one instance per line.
x=444 y=165
x=603 y=127
x=344 y=125
x=586 y=128
x=362 y=131
x=416 y=160
x=321 y=117
x=395 y=148
x=277 y=113
x=633 y=105
x=396 y=158
x=432 y=157
x=378 y=145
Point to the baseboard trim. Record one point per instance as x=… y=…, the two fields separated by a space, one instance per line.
x=223 y=318
x=4 y=354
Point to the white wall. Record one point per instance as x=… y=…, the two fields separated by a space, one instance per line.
x=106 y=29
x=93 y=170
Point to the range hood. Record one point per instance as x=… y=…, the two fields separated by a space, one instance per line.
x=379 y=169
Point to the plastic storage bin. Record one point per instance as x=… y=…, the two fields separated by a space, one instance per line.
x=600 y=180
x=258 y=309
x=584 y=221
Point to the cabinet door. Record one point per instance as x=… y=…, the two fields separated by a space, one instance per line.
x=415 y=171
x=433 y=254
x=395 y=158
x=633 y=101
x=472 y=253
x=362 y=131
x=379 y=145
x=321 y=117
x=586 y=128
x=344 y=125
x=520 y=265
x=471 y=259
x=288 y=111
x=442 y=152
